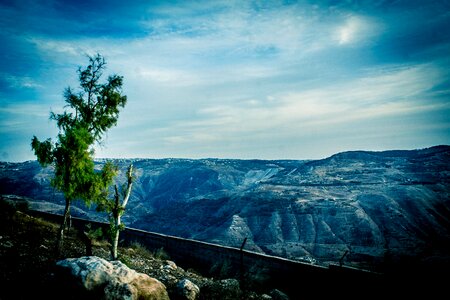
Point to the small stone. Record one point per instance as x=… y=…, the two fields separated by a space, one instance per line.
x=230 y=283
x=7 y=244
x=170 y=265
x=278 y=295
x=187 y=289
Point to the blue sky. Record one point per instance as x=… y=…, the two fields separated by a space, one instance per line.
x=234 y=79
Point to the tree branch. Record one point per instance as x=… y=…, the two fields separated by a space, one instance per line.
x=129 y=185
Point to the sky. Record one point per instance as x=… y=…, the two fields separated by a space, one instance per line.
x=233 y=79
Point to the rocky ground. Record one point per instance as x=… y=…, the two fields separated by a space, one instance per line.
x=28 y=262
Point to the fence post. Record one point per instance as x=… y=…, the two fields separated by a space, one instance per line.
x=241 y=251
x=342 y=258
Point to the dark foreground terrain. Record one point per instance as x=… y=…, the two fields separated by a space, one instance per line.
x=28 y=270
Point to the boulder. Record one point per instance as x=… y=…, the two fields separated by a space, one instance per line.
x=187 y=290
x=111 y=280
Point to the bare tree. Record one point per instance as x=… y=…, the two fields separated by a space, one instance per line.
x=115 y=207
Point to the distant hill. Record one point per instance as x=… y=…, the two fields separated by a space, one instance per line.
x=391 y=206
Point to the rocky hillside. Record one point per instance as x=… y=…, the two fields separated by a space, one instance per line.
x=30 y=268
x=379 y=206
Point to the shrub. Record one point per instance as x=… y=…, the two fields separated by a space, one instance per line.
x=125 y=260
x=161 y=254
x=256 y=278
x=221 y=269
x=140 y=249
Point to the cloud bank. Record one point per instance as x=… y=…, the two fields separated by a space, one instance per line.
x=232 y=79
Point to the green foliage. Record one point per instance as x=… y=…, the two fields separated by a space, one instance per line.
x=43 y=150
x=93 y=234
x=126 y=260
x=101 y=189
x=74 y=165
x=140 y=249
x=113 y=228
x=115 y=206
x=112 y=205
x=88 y=114
x=161 y=254
x=97 y=105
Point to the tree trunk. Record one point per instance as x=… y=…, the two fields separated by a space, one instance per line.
x=60 y=238
x=117 y=211
x=116 y=238
x=87 y=242
x=115 y=228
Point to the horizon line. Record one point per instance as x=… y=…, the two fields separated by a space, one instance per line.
x=246 y=159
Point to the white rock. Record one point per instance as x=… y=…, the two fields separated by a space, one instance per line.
x=170 y=265
x=117 y=280
x=187 y=289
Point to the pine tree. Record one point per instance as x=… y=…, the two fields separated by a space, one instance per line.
x=89 y=113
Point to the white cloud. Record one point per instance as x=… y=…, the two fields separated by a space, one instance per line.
x=26 y=109
x=240 y=76
x=161 y=75
x=240 y=31
x=355 y=30
x=258 y=126
x=25 y=120
x=391 y=93
x=71 y=48
x=21 y=82
x=229 y=43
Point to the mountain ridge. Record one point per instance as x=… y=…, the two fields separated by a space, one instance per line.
x=432 y=149
x=380 y=206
